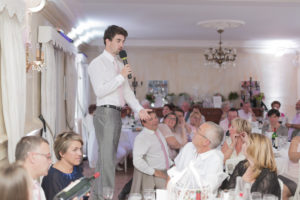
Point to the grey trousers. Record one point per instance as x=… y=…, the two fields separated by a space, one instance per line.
x=107 y=122
x=142 y=181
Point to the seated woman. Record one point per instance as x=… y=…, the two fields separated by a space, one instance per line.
x=274 y=125
x=167 y=128
x=68 y=151
x=195 y=122
x=290 y=177
x=232 y=147
x=259 y=168
x=15 y=183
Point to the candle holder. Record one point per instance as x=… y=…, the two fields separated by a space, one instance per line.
x=136 y=84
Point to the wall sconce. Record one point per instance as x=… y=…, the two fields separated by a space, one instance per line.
x=39 y=63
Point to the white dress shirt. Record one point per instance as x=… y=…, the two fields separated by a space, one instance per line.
x=246 y=116
x=147 y=152
x=109 y=85
x=37 y=192
x=209 y=165
x=224 y=125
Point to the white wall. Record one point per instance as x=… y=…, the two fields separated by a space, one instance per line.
x=185 y=71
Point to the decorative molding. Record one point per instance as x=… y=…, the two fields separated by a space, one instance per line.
x=221 y=24
x=49 y=34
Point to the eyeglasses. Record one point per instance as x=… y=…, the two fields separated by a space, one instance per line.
x=172 y=118
x=47 y=156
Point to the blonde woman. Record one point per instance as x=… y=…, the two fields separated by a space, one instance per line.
x=259 y=167
x=232 y=147
x=15 y=183
x=68 y=151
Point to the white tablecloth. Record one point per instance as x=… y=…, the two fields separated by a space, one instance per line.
x=282 y=158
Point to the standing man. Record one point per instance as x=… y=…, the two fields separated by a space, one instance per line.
x=109 y=80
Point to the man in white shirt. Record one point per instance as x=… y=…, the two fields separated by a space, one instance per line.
x=108 y=76
x=34 y=153
x=226 y=123
x=202 y=153
x=246 y=112
x=150 y=157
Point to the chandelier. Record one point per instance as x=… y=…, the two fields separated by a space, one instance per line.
x=220 y=56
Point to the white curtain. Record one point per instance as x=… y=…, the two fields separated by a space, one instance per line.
x=49 y=94
x=13 y=74
x=71 y=89
x=60 y=91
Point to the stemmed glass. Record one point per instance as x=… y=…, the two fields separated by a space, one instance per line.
x=108 y=193
x=149 y=194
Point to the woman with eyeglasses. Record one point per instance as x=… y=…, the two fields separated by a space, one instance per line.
x=167 y=128
x=68 y=151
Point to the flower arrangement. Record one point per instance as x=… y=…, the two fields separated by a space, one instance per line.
x=150 y=97
x=259 y=97
x=233 y=96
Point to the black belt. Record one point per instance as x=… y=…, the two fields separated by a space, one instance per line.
x=113 y=107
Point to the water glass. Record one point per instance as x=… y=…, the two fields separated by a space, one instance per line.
x=149 y=194
x=256 y=196
x=135 y=196
x=269 y=197
x=108 y=193
x=227 y=194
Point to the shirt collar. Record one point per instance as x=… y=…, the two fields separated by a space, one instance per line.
x=206 y=154
x=148 y=130
x=109 y=56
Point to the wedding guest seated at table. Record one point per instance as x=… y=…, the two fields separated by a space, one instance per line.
x=282 y=118
x=167 y=128
x=150 y=157
x=273 y=124
x=294 y=127
x=259 y=167
x=15 y=183
x=225 y=109
x=290 y=176
x=196 y=108
x=246 y=112
x=185 y=106
x=203 y=154
x=232 y=147
x=182 y=129
x=226 y=123
x=195 y=122
x=68 y=151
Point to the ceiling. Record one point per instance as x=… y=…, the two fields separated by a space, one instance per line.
x=174 y=22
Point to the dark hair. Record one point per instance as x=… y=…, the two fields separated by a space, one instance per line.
x=92 y=108
x=170 y=106
x=275 y=102
x=149 y=112
x=233 y=110
x=273 y=112
x=171 y=113
x=197 y=106
x=177 y=109
x=113 y=30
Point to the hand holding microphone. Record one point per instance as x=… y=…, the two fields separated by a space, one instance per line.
x=126 y=69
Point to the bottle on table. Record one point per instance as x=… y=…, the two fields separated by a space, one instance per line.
x=275 y=139
x=77 y=189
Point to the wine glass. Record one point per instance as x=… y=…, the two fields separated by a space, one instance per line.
x=108 y=193
x=269 y=197
x=149 y=194
x=135 y=196
x=256 y=196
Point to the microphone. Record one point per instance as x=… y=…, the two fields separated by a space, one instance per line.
x=123 y=56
